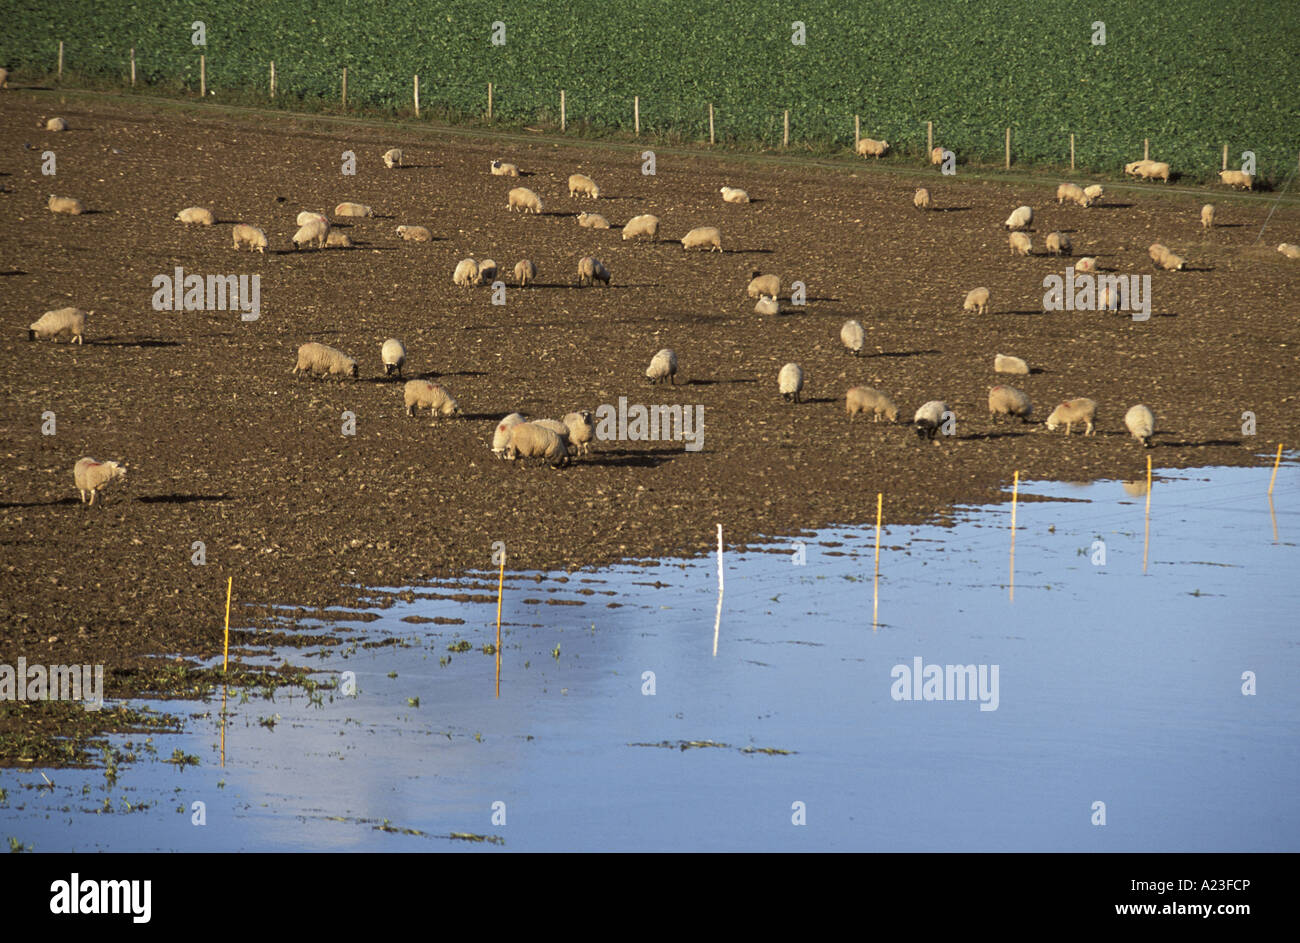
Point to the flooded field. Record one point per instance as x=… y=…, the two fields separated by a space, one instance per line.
x=1171 y=696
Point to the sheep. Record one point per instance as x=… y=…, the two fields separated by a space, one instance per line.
x=1165 y=259
x=1058 y=243
x=306 y=216
x=1289 y=249
x=414 y=233
x=790 y=381
x=1133 y=168
x=1072 y=192
x=643 y=225
x=315 y=231
x=921 y=199
x=529 y=440
x=1108 y=298
x=523 y=199
x=1141 y=423
x=317 y=358
x=502 y=169
x=69 y=322
x=353 y=209
x=592 y=221
x=1020 y=218
x=93 y=477
x=1151 y=169
x=501 y=435
x=581 y=183
x=1009 y=401
x=1237 y=178
x=852 y=336
x=1072 y=412
x=393 y=355
x=734 y=195
x=487 y=270
x=65 y=204
x=337 y=239
x=760 y=284
x=392 y=158
x=558 y=428
x=928 y=418
x=525 y=272
x=1086 y=264
x=422 y=393
x=56 y=124
x=1156 y=250
x=767 y=305
x=581 y=430
x=863 y=399
x=250 y=237
x=663 y=366
x=592 y=270
x=936 y=155
x=1021 y=244
x=1004 y=363
x=977 y=300
x=703 y=236
x=195 y=214
x=466 y=273
x=869 y=147
x=1094 y=193
x=1207 y=216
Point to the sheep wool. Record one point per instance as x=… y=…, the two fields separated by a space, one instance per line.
x=558 y=428
x=1153 y=170
x=863 y=399
x=249 y=237
x=663 y=366
x=393 y=355
x=502 y=169
x=921 y=199
x=643 y=225
x=581 y=430
x=734 y=195
x=530 y=440
x=56 y=124
x=1237 y=178
x=92 y=477
x=1086 y=264
x=869 y=147
x=592 y=270
x=581 y=183
x=62 y=322
x=1002 y=363
x=195 y=214
x=1020 y=217
x=314 y=231
x=1058 y=243
x=66 y=205
x=337 y=239
x=852 y=336
x=790 y=381
x=421 y=394
x=767 y=305
x=466 y=272
x=306 y=216
x=314 y=358
x=1073 y=412
x=414 y=233
x=525 y=272
x=977 y=300
x=1207 y=216
x=524 y=200
x=702 y=236
x=1289 y=249
x=1141 y=423
x=353 y=209
x=936 y=155
x=1020 y=244
x=929 y=418
x=1094 y=193
x=1073 y=193
x=501 y=435
x=487 y=270
x=592 y=221
x=393 y=158
x=1009 y=401
x=760 y=284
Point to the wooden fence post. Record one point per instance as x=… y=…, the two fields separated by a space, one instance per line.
x=272 y=78
x=489 y=101
x=563 y=112
x=857 y=132
x=785 y=135
x=1072 y=150
x=1008 y=162
x=416 y=79
x=1146 y=148
x=636 y=115
x=1225 y=157
x=203 y=75
x=710 y=122
x=345 y=88
x=133 y=67
x=929 y=138
x=60 y=58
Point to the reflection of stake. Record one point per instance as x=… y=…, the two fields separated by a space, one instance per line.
x=225 y=657
x=1276 y=462
x=501 y=582
x=875 y=588
x=717 y=621
x=1146 y=539
x=1015 y=495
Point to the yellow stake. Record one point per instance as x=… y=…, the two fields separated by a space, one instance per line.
x=1146 y=538
x=875 y=589
x=1015 y=496
x=1277 y=461
x=501 y=583
x=225 y=657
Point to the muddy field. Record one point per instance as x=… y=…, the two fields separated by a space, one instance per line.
x=227 y=448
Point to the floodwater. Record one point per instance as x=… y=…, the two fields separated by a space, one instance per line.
x=1171 y=696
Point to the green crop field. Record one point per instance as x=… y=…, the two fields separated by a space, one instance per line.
x=1191 y=75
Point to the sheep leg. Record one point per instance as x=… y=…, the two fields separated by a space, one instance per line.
x=92 y=497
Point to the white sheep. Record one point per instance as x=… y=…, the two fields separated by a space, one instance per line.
x=1058 y=243
x=393 y=355
x=1141 y=423
x=393 y=158
x=592 y=270
x=663 y=366
x=529 y=440
x=581 y=431
x=487 y=270
x=353 y=209
x=853 y=336
x=767 y=305
x=581 y=183
x=56 y=124
x=559 y=428
x=466 y=273
x=928 y=418
x=419 y=394
x=65 y=204
x=1072 y=192
x=921 y=199
x=501 y=435
x=525 y=272
x=936 y=155
x=338 y=239
x=643 y=225
x=414 y=233
x=1289 y=249
x=863 y=399
x=703 y=236
x=734 y=195
x=315 y=230
x=1004 y=363
x=195 y=214
x=869 y=147
x=1153 y=169
x=502 y=169
x=1086 y=264
x=93 y=477
x=249 y=237
x=1082 y=411
x=790 y=381
x=1237 y=178
x=1094 y=193
x=760 y=284
x=1207 y=216
x=314 y=358
x=1020 y=244
x=524 y=200
x=1009 y=401
x=592 y=221
x=1165 y=259
x=977 y=300
x=1020 y=218
x=62 y=322
x=306 y=216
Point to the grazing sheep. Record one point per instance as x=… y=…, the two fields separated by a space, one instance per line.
x=1009 y=401
x=790 y=381
x=1141 y=424
x=1237 y=178
x=93 y=477
x=1085 y=264
x=195 y=214
x=977 y=300
x=1165 y=259
x=306 y=216
x=643 y=225
x=1108 y=298
x=929 y=418
x=853 y=336
x=1133 y=168
x=1072 y=192
x=56 y=124
x=592 y=221
x=936 y=155
x=760 y=284
x=487 y=271
x=69 y=322
x=1072 y=412
x=767 y=305
x=558 y=428
x=466 y=273
x=1207 y=216
x=703 y=236
x=921 y=199
x=1153 y=169
x=1058 y=243
x=502 y=169
x=337 y=239
x=525 y=272
x=249 y=237
x=65 y=204
x=353 y=209
x=1094 y=193
x=524 y=200
x=592 y=270
x=581 y=431
x=1156 y=250
x=414 y=233
x=1021 y=244
x=869 y=147
x=501 y=435
x=734 y=195
x=393 y=158
x=863 y=399
x=1003 y=363
x=417 y=394
x=317 y=358
x=1020 y=218
x=530 y=440
x=663 y=366
x=315 y=230
x=393 y=354
x=581 y=183
x=1289 y=249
